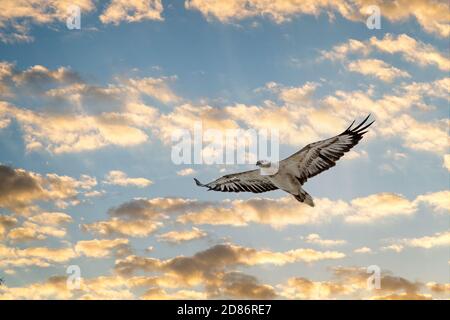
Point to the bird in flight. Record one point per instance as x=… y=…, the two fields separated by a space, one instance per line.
x=295 y=170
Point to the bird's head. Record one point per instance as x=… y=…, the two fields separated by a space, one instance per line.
x=263 y=164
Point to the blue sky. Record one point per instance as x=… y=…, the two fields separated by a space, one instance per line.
x=85 y=117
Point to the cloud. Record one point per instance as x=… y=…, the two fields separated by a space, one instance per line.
x=439 y=239
x=63 y=133
x=6 y=222
x=343 y=50
x=275 y=212
x=421 y=136
x=115 y=226
x=427 y=242
x=182 y=236
x=132 y=11
x=37 y=75
x=102 y=248
x=377 y=68
x=282 y=212
x=303 y=288
x=54 y=288
x=186 y=172
x=139 y=217
x=17 y=15
x=156 y=88
x=299 y=119
x=82 y=116
x=433 y=17
x=314 y=238
x=31 y=232
x=242 y=286
x=363 y=250
x=447 y=162
x=294 y=95
x=233 y=285
x=119 y=178
x=410 y=49
x=192 y=269
x=440 y=289
x=157 y=293
x=34 y=256
x=40 y=227
x=380 y=206
x=211 y=268
x=440 y=200
x=155 y=208
x=393 y=247
x=51 y=218
x=20 y=189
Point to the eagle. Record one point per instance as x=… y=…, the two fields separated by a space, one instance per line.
x=296 y=169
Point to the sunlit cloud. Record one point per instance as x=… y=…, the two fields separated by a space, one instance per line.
x=102 y=248
x=132 y=11
x=410 y=49
x=314 y=238
x=377 y=68
x=433 y=17
x=20 y=189
x=115 y=226
x=120 y=178
x=182 y=236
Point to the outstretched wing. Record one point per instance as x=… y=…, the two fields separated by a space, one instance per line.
x=322 y=155
x=250 y=181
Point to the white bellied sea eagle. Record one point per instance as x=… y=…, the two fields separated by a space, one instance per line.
x=295 y=170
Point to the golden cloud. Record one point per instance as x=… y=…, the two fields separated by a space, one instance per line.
x=115 y=226
x=102 y=248
x=120 y=178
x=19 y=189
x=410 y=49
x=432 y=16
x=378 y=69
x=132 y=11
x=182 y=236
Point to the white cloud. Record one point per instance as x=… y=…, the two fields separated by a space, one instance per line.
x=378 y=69
x=363 y=250
x=314 y=238
x=432 y=16
x=447 y=162
x=410 y=49
x=182 y=236
x=120 y=178
x=186 y=172
x=439 y=200
x=132 y=11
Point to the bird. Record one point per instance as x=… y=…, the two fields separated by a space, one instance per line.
x=296 y=169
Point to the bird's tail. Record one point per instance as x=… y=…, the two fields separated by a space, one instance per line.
x=304 y=196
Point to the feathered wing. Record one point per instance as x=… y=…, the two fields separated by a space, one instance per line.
x=250 y=181
x=322 y=155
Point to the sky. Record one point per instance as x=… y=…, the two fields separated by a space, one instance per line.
x=92 y=205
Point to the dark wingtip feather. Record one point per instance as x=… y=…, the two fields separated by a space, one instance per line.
x=361 y=124
x=198 y=183
x=349 y=126
x=360 y=127
x=361 y=130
